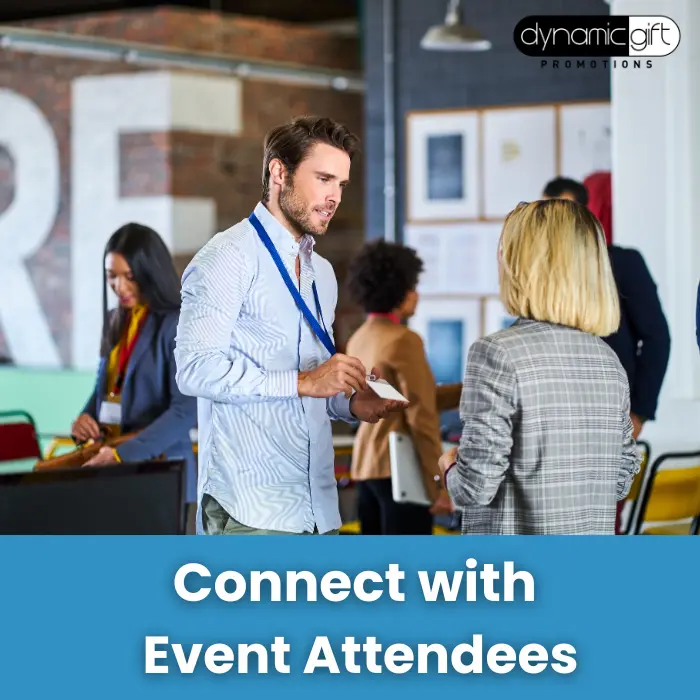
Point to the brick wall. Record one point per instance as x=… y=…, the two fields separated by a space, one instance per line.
x=211 y=32
x=444 y=80
x=226 y=169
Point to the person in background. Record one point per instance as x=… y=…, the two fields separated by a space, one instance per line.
x=566 y=188
x=643 y=341
x=547 y=445
x=255 y=346
x=382 y=280
x=135 y=388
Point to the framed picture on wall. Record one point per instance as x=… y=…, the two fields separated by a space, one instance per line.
x=496 y=317
x=458 y=258
x=428 y=241
x=442 y=166
x=448 y=327
x=585 y=138
x=520 y=156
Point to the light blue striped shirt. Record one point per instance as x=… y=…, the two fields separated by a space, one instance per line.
x=265 y=453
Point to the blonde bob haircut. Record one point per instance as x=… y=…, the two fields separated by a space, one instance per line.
x=554 y=267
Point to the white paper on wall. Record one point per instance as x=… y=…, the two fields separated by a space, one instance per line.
x=585 y=139
x=458 y=258
x=519 y=156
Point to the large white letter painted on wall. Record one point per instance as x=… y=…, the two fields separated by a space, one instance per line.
x=25 y=225
x=103 y=108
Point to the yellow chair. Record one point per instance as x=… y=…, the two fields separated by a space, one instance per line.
x=670 y=499
x=440 y=530
x=57 y=443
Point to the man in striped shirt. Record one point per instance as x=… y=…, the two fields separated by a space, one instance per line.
x=267 y=378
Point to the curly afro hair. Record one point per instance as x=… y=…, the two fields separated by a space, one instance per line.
x=382 y=275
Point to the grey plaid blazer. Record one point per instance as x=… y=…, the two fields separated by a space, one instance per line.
x=546 y=443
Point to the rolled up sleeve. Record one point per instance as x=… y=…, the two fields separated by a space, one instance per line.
x=631 y=458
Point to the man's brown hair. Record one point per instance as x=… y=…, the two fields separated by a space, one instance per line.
x=291 y=143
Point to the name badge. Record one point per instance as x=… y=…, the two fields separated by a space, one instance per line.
x=110 y=413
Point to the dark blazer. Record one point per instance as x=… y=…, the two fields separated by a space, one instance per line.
x=643 y=342
x=151 y=401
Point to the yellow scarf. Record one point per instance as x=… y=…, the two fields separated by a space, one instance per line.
x=137 y=314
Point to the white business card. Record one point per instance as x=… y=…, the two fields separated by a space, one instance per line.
x=382 y=388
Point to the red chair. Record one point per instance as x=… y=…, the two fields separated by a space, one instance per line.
x=18 y=438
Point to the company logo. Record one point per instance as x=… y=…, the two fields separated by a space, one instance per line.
x=588 y=36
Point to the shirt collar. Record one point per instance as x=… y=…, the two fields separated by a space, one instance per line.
x=284 y=241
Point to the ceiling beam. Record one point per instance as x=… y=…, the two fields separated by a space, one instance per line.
x=28 y=40
x=303 y=11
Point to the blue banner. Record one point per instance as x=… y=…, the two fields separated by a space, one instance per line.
x=348 y=617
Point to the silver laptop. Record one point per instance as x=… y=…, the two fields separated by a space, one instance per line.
x=406 y=474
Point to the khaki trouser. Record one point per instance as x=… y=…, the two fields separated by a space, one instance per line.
x=216 y=521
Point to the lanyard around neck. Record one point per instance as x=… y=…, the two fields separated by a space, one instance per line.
x=321 y=333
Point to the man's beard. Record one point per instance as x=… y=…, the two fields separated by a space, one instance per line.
x=297 y=213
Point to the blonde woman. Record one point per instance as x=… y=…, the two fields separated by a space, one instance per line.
x=546 y=443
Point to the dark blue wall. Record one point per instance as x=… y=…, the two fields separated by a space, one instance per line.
x=437 y=80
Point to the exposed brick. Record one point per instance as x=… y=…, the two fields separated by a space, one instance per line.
x=187 y=164
x=207 y=31
x=144 y=165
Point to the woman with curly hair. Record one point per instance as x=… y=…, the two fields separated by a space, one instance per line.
x=383 y=280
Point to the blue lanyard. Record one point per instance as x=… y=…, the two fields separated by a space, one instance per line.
x=321 y=333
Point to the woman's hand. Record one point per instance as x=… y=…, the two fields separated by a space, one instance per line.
x=104 y=456
x=85 y=428
x=442 y=505
x=637 y=425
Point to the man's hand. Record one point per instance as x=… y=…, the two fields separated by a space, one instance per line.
x=637 y=425
x=339 y=375
x=368 y=407
x=104 y=456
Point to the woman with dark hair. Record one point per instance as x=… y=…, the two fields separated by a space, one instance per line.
x=135 y=389
x=383 y=280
